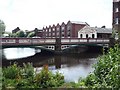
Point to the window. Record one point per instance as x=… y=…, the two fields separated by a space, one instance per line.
x=117 y=9
x=93 y=36
x=63 y=28
x=86 y=35
x=68 y=27
x=62 y=35
x=58 y=29
x=80 y=35
x=49 y=30
x=62 y=32
x=57 y=33
x=116 y=21
x=49 y=34
x=53 y=34
x=68 y=34
x=53 y=29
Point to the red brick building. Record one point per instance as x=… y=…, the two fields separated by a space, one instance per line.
x=116 y=15
x=68 y=30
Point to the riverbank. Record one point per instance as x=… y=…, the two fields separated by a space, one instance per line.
x=105 y=75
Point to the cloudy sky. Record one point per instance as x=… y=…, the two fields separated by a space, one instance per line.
x=30 y=14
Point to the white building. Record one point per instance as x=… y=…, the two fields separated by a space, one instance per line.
x=94 y=32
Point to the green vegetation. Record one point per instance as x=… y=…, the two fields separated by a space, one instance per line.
x=20 y=34
x=2 y=28
x=32 y=34
x=25 y=77
x=105 y=75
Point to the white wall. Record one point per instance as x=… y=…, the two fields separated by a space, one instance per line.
x=87 y=30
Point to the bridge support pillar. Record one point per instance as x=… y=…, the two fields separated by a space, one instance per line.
x=58 y=46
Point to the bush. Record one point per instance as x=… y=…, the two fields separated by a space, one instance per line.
x=106 y=73
x=26 y=77
x=47 y=79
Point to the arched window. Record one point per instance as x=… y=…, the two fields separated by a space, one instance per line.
x=93 y=35
x=86 y=35
x=80 y=35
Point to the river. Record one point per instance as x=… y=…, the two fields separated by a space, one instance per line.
x=72 y=66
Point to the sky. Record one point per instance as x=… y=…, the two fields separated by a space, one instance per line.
x=30 y=14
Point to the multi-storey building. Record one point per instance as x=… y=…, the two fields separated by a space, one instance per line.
x=68 y=30
x=116 y=15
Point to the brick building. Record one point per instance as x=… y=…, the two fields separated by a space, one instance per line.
x=68 y=30
x=116 y=15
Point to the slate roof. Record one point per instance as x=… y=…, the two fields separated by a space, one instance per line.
x=79 y=22
x=100 y=30
x=104 y=30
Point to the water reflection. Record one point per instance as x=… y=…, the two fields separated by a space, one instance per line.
x=72 y=66
x=15 y=53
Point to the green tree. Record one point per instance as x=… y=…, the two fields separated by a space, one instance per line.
x=32 y=34
x=2 y=28
x=20 y=34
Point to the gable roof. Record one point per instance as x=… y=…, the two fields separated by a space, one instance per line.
x=87 y=29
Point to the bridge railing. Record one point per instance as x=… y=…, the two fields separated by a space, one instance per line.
x=84 y=40
x=51 y=41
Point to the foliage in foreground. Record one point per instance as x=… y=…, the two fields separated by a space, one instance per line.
x=25 y=77
x=106 y=73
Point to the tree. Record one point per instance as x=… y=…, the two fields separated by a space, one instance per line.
x=20 y=34
x=32 y=34
x=2 y=28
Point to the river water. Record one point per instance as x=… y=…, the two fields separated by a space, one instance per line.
x=72 y=66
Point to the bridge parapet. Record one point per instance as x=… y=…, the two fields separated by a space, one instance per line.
x=51 y=41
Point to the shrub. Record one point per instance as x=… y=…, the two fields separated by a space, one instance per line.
x=47 y=79
x=26 y=77
x=106 y=73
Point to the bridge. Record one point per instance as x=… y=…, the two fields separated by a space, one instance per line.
x=58 y=43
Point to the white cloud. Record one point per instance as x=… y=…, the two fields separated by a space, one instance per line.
x=29 y=14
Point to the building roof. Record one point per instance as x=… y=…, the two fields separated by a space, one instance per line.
x=103 y=30
x=116 y=0
x=98 y=30
x=78 y=22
